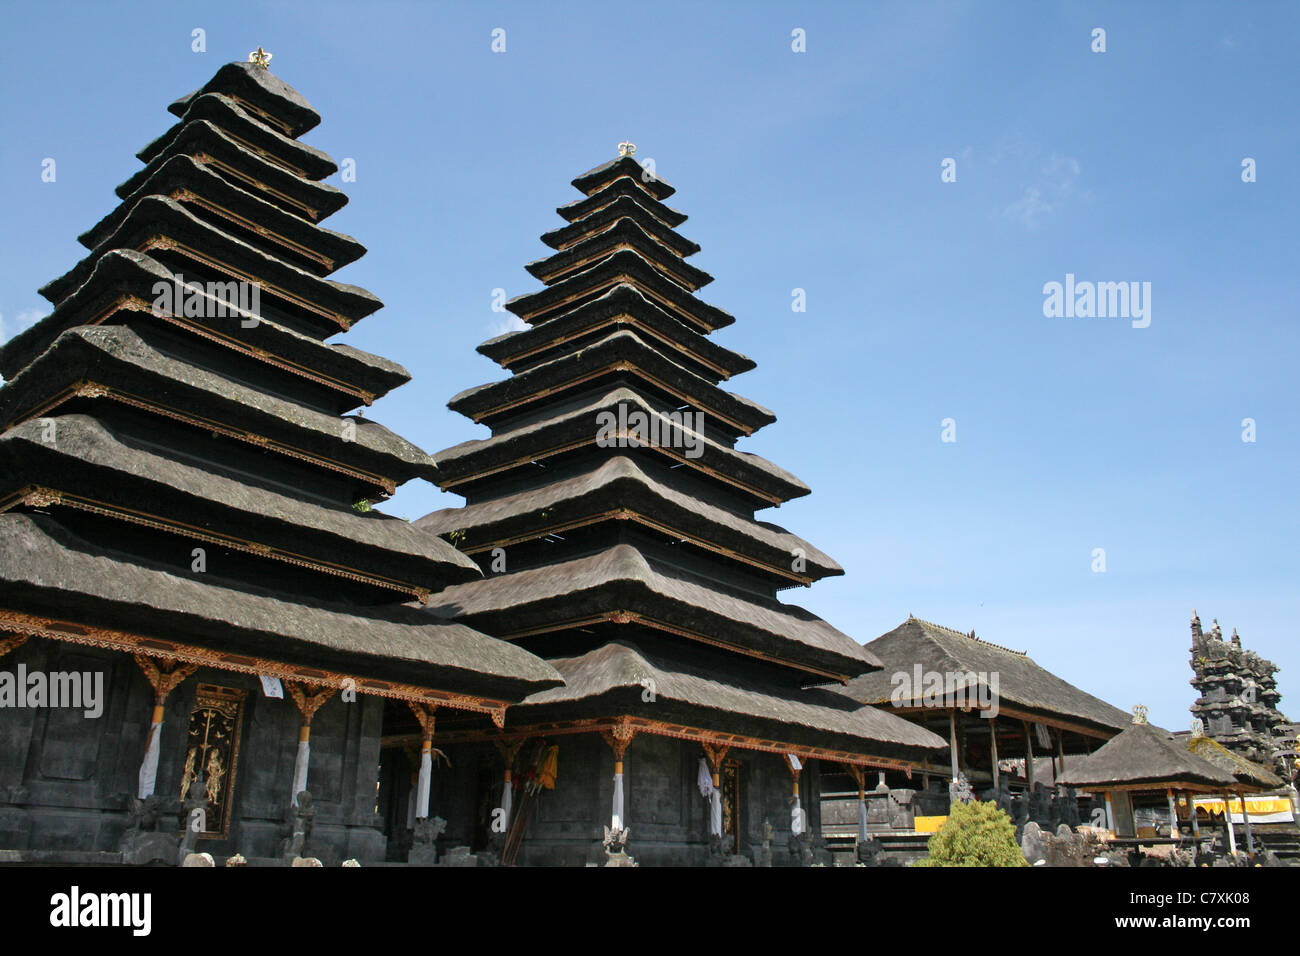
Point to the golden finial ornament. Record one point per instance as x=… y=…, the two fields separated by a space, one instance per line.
x=1140 y=714
x=260 y=58
x=627 y=149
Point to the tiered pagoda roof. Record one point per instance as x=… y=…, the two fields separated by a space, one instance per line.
x=612 y=488
x=137 y=427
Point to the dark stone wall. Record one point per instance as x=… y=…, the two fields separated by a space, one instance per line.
x=664 y=811
x=66 y=780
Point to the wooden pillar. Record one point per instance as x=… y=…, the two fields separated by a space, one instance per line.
x=619 y=737
x=1196 y=824
x=1110 y=815
x=1245 y=818
x=163 y=683
x=993 y=749
x=425 y=715
x=797 y=822
x=308 y=703
x=952 y=741
x=715 y=754
x=1173 y=814
x=509 y=749
x=1029 y=758
x=1060 y=755
x=1227 y=822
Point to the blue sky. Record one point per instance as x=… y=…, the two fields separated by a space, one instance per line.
x=821 y=171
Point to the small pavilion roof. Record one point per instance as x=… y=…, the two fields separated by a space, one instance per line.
x=1021 y=681
x=1247 y=772
x=1143 y=757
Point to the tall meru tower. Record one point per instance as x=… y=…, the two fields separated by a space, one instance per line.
x=614 y=520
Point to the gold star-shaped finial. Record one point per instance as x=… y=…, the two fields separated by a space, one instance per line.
x=260 y=57
x=627 y=149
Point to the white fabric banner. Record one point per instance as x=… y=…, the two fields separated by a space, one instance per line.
x=422 y=789
x=271 y=686
x=715 y=813
x=149 y=767
x=617 y=815
x=704 y=779
x=300 y=770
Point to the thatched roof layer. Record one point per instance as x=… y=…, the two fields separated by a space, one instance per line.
x=624 y=347
x=1022 y=682
x=87 y=458
x=120 y=272
x=159 y=216
x=623 y=186
x=530 y=442
x=225 y=113
x=623 y=266
x=614 y=677
x=607 y=311
x=622 y=579
x=620 y=483
x=117 y=357
x=264 y=90
x=624 y=231
x=1143 y=754
x=186 y=174
x=623 y=166
x=1248 y=773
x=45 y=570
x=623 y=207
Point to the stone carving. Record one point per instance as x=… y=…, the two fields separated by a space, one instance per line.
x=298 y=822
x=615 y=846
x=424 y=838
x=150 y=835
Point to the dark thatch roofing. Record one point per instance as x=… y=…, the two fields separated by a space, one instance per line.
x=155 y=216
x=1143 y=754
x=530 y=442
x=593 y=179
x=119 y=358
x=613 y=678
x=606 y=312
x=622 y=348
x=624 y=207
x=87 y=458
x=621 y=483
x=622 y=579
x=230 y=116
x=624 y=231
x=45 y=570
x=943 y=650
x=185 y=174
x=263 y=89
x=623 y=186
x=1248 y=773
x=623 y=266
x=287 y=189
x=127 y=272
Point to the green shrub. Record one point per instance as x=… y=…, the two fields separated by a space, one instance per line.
x=975 y=834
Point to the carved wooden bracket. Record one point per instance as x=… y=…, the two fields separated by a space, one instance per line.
x=509 y=750
x=715 y=754
x=308 y=702
x=619 y=737
x=10 y=642
x=857 y=773
x=425 y=715
x=162 y=677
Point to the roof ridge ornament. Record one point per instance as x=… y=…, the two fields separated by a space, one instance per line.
x=1140 y=714
x=627 y=149
x=260 y=58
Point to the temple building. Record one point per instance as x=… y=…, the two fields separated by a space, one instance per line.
x=1238 y=699
x=201 y=617
x=613 y=518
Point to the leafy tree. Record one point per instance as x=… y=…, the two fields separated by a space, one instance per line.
x=975 y=834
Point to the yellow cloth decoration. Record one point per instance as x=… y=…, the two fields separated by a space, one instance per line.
x=548 y=768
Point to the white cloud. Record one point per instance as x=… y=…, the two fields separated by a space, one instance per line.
x=508 y=323
x=25 y=318
x=1055 y=185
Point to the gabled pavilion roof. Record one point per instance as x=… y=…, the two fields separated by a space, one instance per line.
x=1021 y=681
x=1144 y=757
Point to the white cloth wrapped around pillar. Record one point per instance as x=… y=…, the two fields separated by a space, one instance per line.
x=425 y=782
x=715 y=813
x=507 y=800
x=300 y=767
x=797 y=824
x=862 y=817
x=616 y=817
x=149 y=766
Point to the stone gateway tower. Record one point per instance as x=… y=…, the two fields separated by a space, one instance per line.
x=614 y=519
